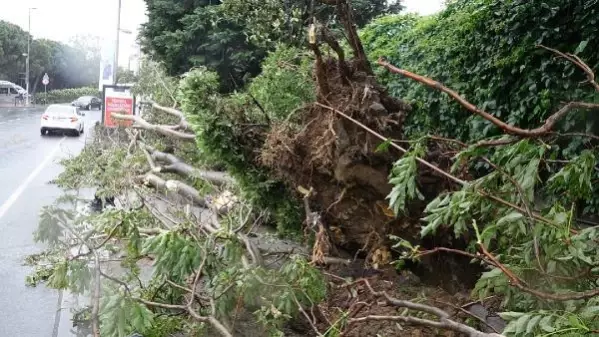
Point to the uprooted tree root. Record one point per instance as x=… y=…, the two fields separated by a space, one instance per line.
x=340 y=161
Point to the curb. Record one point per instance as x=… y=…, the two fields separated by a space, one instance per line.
x=12 y=107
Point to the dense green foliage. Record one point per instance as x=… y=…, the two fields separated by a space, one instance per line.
x=486 y=50
x=231 y=37
x=285 y=82
x=229 y=128
x=185 y=34
x=73 y=65
x=544 y=251
x=270 y=22
x=66 y=95
x=519 y=206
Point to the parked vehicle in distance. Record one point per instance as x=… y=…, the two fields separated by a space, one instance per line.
x=62 y=118
x=87 y=102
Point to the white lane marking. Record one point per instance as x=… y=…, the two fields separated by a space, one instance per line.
x=17 y=193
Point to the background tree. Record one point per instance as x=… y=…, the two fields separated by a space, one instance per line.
x=126 y=76
x=13 y=43
x=185 y=34
x=68 y=65
x=232 y=37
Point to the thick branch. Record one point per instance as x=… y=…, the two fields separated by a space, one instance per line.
x=173 y=112
x=176 y=165
x=327 y=36
x=161 y=129
x=507 y=128
x=344 y=11
x=175 y=186
x=444 y=318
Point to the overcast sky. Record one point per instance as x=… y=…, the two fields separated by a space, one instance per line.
x=424 y=7
x=62 y=19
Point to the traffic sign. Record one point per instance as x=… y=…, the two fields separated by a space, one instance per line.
x=46 y=79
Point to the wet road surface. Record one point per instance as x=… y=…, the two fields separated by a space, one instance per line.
x=28 y=162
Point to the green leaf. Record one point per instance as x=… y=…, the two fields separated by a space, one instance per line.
x=532 y=324
x=590 y=312
x=384 y=146
x=491 y=274
x=575 y=322
x=581 y=46
x=545 y=323
x=510 y=315
x=521 y=323
x=509 y=218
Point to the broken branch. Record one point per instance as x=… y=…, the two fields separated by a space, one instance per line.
x=545 y=129
x=161 y=129
x=515 y=281
x=171 y=111
x=444 y=321
x=174 y=186
x=578 y=62
x=176 y=165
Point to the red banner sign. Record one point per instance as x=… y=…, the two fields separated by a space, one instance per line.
x=120 y=105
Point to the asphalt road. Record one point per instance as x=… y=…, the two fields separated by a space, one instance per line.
x=28 y=162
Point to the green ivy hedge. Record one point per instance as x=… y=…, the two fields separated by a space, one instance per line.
x=66 y=95
x=486 y=50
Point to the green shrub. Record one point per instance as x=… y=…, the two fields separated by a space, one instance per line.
x=486 y=50
x=285 y=82
x=231 y=128
x=222 y=137
x=67 y=95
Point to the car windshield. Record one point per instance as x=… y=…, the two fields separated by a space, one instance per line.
x=58 y=110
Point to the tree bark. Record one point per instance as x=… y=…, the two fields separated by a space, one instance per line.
x=176 y=186
x=178 y=166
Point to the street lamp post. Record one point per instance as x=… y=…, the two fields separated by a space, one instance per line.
x=116 y=54
x=28 y=52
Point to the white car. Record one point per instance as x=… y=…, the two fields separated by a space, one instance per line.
x=62 y=118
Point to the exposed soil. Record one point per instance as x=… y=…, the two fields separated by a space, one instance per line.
x=361 y=303
x=355 y=301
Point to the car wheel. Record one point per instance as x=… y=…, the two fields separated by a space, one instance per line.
x=43 y=131
x=82 y=128
x=76 y=133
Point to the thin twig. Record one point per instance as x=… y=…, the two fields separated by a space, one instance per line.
x=95 y=314
x=444 y=321
x=301 y=309
x=462 y=310
x=435 y=168
x=454 y=251
x=578 y=62
x=518 y=283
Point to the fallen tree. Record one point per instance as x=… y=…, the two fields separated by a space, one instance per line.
x=342 y=157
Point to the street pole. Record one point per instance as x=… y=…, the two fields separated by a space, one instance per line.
x=116 y=54
x=28 y=51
